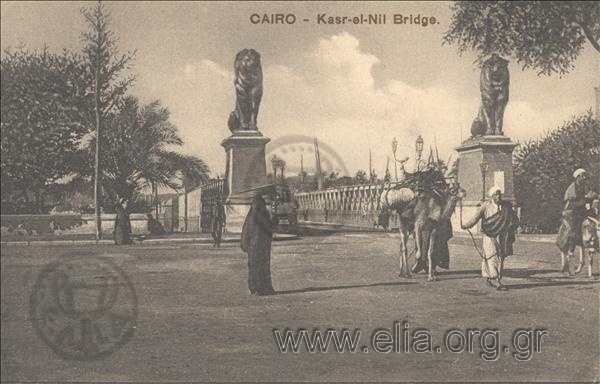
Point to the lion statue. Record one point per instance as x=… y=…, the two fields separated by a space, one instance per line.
x=248 y=89
x=493 y=85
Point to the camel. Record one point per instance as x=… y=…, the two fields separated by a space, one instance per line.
x=421 y=214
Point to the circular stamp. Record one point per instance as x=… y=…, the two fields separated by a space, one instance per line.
x=84 y=308
x=298 y=155
x=292 y=147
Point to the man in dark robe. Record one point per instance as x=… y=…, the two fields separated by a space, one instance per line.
x=383 y=219
x=122 y=228
x=257 y=233
x=441 y=254
x=218 y=222
x=577 y=195
x=154 y=226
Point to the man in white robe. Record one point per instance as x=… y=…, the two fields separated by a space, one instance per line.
x=498 y=226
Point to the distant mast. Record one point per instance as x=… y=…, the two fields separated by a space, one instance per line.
x=318 y=161
x=301 y=170
x=438 y=164
x=387 y=167
x=370 y=167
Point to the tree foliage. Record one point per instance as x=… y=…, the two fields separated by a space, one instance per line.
x=44 y=113
x=331 y=180
x=544 y=168
x=361 y=177
x=543 y=35
x=54 y=105
x=138 y=145
x=101 y=55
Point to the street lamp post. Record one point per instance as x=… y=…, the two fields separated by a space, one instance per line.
x=274 y=162
x=394 y=149
x=484 y=169
x=419 y=150
x=282 y=166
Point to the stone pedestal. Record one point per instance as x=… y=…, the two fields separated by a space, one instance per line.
x=245 y=169
x=236 y=213
x=496 y=151
x=246 y=163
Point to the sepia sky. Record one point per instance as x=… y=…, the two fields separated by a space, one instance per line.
x=355 y=87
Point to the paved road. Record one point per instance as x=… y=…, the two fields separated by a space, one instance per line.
x=197 y=322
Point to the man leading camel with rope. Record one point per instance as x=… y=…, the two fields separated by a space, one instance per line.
x=498 y=226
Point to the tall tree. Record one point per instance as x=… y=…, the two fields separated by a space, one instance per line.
x=544 y=168
x=543 y=35
x=43 y=116
x=109 y=85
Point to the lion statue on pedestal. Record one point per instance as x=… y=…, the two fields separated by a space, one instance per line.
x=248 y=89
x=493 y=85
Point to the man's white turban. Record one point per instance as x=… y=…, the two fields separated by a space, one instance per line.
x=578 y=172
x=493 y=190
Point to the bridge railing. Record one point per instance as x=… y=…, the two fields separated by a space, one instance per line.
x=356 y=205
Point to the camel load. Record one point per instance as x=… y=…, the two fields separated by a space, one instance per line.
x=406 y=190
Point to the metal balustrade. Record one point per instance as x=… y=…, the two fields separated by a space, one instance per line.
x=357 y=205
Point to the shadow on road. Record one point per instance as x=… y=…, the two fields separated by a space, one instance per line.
x=460 y=274
x=550 y=284
x=321 y=289
x=524 y=273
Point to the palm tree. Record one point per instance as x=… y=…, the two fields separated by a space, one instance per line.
x=138 y=152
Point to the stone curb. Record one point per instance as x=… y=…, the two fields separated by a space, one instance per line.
x=197 y=240
x=341 y=227
x=201 y=240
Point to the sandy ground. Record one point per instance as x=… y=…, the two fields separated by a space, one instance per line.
x=197 y=322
